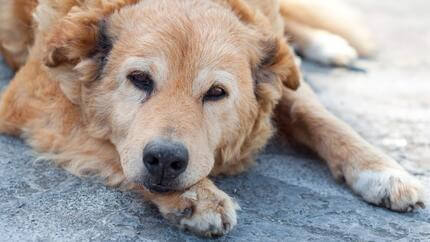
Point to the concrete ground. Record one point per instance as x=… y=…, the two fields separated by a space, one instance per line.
x=288 y=196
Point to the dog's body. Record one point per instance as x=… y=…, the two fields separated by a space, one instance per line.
x=157 y=95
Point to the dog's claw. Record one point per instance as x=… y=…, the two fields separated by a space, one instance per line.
x=203 y=209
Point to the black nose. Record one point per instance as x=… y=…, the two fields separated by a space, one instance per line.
x=165 y=160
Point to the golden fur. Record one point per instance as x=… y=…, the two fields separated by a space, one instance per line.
x=71 y=100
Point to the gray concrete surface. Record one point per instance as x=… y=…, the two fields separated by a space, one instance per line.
x=288 y=196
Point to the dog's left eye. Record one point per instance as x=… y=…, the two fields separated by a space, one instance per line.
x=141 y=80
x=215 y=93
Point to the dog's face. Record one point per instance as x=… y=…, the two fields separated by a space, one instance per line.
x=179 y=87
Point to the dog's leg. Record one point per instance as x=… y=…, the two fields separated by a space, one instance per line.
x=319 y=45
x=333 y=17
x=8 y=112
x=370 y=173
x=16 y=30
x=202 y=209
x=3 y=127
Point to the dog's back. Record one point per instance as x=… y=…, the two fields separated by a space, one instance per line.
x=300 y=20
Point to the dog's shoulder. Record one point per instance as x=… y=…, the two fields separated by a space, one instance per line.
x=261 y=13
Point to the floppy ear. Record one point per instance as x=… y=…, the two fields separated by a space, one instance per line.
x=74 y=38
x=277 y=63
x=72 y=44
x=78 y=46
x=277 y=59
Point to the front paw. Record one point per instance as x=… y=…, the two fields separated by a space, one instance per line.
x=203 y=209
x=391 y=188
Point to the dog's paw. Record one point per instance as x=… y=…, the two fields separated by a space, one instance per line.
x=212 y=213
x=204 y=210
x=330 y=49
x=392 y=188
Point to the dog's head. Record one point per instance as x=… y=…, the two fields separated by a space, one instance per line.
x=179 y=87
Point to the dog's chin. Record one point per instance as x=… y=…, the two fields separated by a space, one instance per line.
x=158 y=188
x=154 y=188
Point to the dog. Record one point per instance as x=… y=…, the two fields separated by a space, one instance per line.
x=157 y=96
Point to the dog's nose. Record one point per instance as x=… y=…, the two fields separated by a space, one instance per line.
x=165 y=160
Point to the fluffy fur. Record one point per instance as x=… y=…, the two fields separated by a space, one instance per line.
x=72 y=102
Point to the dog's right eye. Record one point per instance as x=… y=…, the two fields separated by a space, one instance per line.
x=215 y=93
x=141 y=80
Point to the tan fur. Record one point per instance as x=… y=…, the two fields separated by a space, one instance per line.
x=328 y=15
x=77 y=107
x=16 y=34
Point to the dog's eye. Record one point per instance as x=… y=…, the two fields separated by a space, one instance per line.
x=214 y=94
x=141 y=80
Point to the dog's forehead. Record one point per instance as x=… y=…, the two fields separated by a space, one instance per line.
x=187 y=46
x=199 y=27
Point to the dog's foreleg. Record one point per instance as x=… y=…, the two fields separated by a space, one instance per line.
x=202 y=209
x=16 y=31
x=7 y=111
x=369 y=172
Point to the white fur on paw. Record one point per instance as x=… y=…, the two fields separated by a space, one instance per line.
x=207 y=212
x=330 y=49
x=211 y=218
x=392 y=188
x=211 y=223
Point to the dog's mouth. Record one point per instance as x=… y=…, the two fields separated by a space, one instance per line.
x=155 y=188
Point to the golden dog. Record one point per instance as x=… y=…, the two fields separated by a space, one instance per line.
x=159 y=95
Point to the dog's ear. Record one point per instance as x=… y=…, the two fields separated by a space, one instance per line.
x=277 y=63
x=78 y=45
x=276 y=60
x=74 y=38
x=76 y=50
